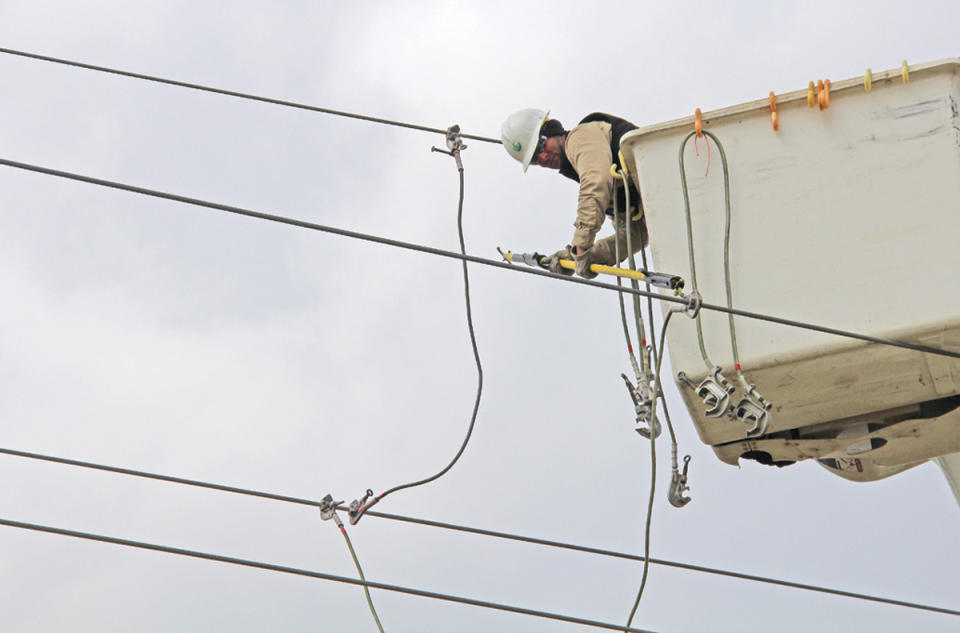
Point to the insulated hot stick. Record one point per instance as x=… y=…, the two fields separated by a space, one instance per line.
x=658 y=280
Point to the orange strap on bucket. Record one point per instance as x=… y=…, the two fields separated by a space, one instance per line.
x=773 y=112
x=823 y=94
x=698 y=128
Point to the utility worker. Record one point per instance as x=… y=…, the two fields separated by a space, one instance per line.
x=583 y=154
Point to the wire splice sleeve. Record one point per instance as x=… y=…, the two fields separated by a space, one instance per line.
x=356 y=562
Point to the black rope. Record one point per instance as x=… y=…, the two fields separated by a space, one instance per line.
x=470 y=258
x=478 y=531
x=232 y=93
x=312 y=574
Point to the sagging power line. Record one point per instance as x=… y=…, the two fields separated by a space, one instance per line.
x=478 y=531
x=469 y=258
x=239 y=95
x=316 y=574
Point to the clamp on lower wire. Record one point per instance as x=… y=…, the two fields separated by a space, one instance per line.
x=328 y=510
x=359 y=507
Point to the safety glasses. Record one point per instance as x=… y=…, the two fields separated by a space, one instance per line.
x=541 y=145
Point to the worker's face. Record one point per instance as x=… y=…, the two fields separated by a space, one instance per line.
x=551 y=156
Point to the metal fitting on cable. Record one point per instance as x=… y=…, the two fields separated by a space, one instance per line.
x=358 y=507
x=714 y=390
x=328 y=510
x=647 y=424
x=754 y=409
x=694 y=303
x=455 y=145
x=678 y=485
x=530 y=259
x=664 y=280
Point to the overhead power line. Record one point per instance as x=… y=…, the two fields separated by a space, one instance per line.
x=317 y=574
x=469 y=258
x=240 y=95
x=302 y=106
x=480 y=531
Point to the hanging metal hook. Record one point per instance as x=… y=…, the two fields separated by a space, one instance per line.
x=647 y=425
x=754 y=409
x=678 y=485
x=714 y=390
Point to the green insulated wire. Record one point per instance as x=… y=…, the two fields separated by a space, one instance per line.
x=655 y=387
x=653 y=336
x=356 y=561
x=693 y=264
x=726 y=248
x=628 y=224
x=657 y=350
x=726 y=245
x=623 y=316
x=653 y=472
x=616 y=246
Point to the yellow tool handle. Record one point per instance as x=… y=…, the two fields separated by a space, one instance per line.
x=606 y=270
x=658 y=280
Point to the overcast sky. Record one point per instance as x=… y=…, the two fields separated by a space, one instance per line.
x=175 y=339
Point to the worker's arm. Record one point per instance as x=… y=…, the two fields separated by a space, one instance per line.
x=588 y=149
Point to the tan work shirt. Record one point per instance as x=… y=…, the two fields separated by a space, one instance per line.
x=588 y=150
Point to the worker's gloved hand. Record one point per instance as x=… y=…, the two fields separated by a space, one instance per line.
x=553 y=262
x=584 y=262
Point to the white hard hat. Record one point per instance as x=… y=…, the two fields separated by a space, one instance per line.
x=521 y=132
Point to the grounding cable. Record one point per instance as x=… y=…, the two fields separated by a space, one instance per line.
x=312 y=574
x=470 y=258
x=652 y=381
x=232 y=93
x=754 y=405
x=356 y=562
x=641 y=372
x=328 y=510
x=360 y=507
x=653 y=470
x=477 y=531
